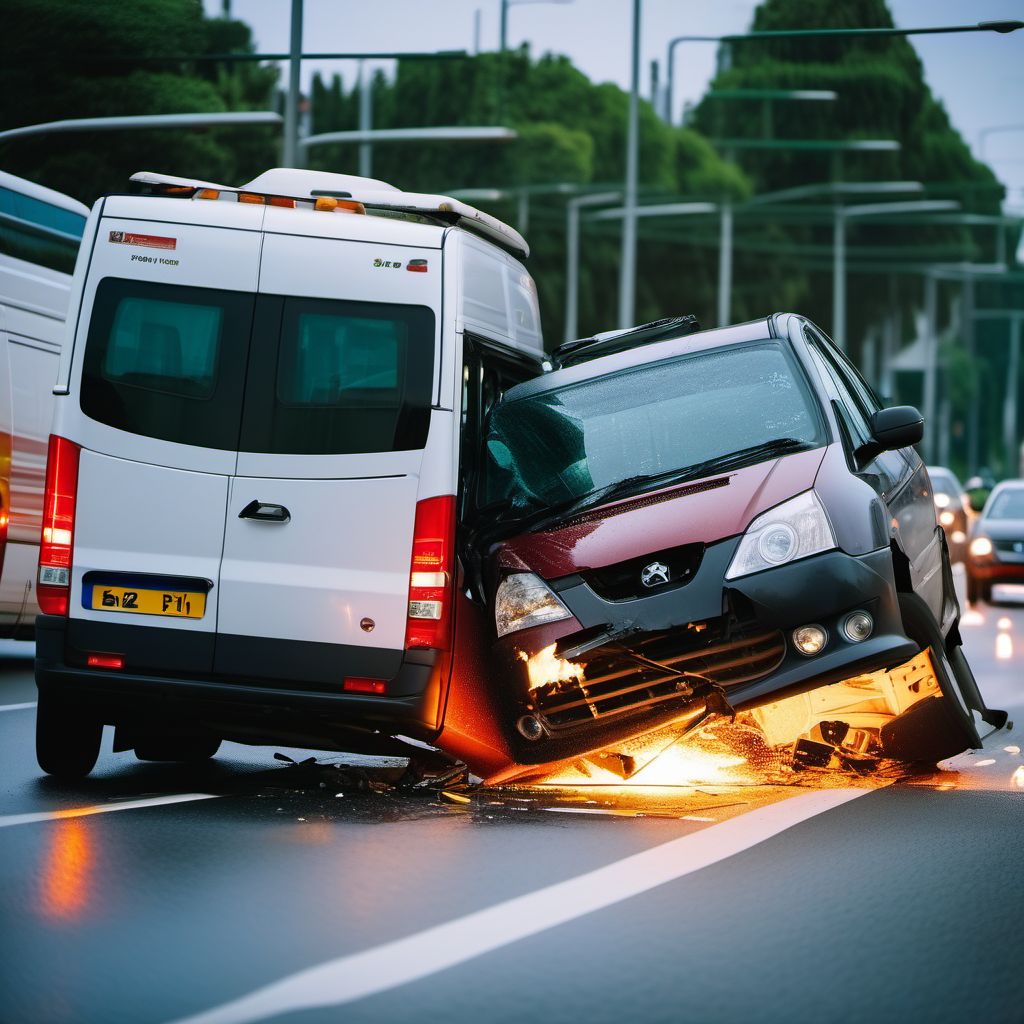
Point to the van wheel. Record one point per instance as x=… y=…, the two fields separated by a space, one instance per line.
x=67 y=743
x=169 y=747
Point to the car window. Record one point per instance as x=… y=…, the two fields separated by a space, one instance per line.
x=166 y=361
x=889 y=467
x=657 y=418
x=39 y=232
x=1007 y=504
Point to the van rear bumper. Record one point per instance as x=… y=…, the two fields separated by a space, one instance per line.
x=248 y=710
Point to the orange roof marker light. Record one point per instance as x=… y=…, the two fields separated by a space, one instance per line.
x=329 y=192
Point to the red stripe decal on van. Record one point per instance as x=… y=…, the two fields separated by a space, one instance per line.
x=152 y=241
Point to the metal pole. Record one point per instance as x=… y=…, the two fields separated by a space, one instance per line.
x=725 y=264
x=973 y=418
x=504 y=26
x=476 y=32
x=523 y=211
x=572 y=270
x=291 y=107
x=931 y=361
x=839 y=278
x=572 y=257
x=627 y=278
x=1011 y=455
x=365 y=120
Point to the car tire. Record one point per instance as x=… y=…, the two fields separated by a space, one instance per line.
x=920 y=625
x=171 y=747
x=67 y=742
x=973 y=590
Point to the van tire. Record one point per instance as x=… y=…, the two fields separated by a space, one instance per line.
x=170 y=747
x=67 y=742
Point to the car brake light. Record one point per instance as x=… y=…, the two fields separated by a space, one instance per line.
x=355 y=684
x=104 y=661
x=57 y=539
x=431 y=574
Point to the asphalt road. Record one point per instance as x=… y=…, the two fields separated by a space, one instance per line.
x=250 y=890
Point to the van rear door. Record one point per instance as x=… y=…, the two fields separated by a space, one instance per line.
x=161 y=383
x=343 y=370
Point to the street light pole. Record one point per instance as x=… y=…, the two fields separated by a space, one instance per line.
x=365 y=121
x=291 y=104
x=725 y=263
x=627 y=276
x=931 y=362
x=572 y=256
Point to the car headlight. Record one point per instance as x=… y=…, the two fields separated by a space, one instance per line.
x=524 y=600
x=795 y=529
x=941 y=500
x=981 y=547
x=947 y=518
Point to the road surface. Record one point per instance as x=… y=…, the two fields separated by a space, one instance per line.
x=247 y=889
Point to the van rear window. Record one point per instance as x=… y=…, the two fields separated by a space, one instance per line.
x=258 y=373
x=337 y=377
x=167 y=361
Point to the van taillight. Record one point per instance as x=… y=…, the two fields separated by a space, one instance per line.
x=431 y=575
x=58 y=526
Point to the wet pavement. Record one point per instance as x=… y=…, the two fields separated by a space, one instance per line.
x=250 y=889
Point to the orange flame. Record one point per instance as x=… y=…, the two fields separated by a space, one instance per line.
x=546 y=667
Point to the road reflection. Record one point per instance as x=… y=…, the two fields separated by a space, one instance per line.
x=68 y=868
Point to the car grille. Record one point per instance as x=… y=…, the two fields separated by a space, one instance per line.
x=624 y=580
x=1010 y=547
x=615 y=684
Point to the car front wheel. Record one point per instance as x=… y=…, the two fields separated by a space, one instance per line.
x=67 y=742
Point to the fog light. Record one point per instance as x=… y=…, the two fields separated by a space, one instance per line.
x=858 y=626
x=809 y=640
x=530 y=728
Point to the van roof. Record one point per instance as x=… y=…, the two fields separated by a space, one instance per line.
x=373 y=194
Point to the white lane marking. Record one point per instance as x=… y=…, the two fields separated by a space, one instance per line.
x=81 y=812
x=17 y=707
x=392 y=964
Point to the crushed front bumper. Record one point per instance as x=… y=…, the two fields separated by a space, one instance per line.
x=680 y=653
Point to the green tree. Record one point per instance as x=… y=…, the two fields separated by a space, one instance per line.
x=71 y=59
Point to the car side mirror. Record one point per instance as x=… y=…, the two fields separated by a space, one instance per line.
x=897 y=427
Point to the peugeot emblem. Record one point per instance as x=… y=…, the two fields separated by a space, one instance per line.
x=654 y=575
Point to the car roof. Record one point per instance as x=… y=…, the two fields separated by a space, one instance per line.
x=754 y=330
x=946 y=472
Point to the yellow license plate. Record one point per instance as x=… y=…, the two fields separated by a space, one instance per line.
x=181 y=603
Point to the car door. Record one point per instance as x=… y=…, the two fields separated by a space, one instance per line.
x=321 y=508
x=899 y=477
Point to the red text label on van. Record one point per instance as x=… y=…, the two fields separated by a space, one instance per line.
x=153 y=241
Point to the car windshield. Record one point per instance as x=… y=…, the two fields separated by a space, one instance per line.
x=1008 y=504
x=944 y=483
x=650 y=421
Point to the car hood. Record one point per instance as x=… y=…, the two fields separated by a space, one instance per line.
x=699 y=511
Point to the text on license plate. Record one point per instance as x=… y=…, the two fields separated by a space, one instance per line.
x=184 y=604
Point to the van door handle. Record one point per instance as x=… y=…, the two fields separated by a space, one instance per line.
x=265 y=513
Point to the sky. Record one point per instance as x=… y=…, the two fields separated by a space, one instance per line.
x=979 y=76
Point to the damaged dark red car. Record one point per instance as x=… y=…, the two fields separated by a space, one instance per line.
x=675 y=524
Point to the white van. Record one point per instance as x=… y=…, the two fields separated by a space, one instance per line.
x=40 y=232
x=268 y=409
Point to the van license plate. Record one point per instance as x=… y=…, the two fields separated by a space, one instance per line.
x=182 y=604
